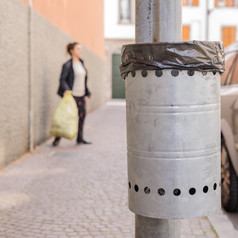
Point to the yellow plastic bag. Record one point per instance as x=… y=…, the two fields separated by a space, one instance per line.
x=65 y=121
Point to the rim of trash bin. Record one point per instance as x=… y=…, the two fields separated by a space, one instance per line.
x=194 y=55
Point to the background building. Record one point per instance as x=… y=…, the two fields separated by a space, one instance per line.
x=33 y=39
x=202 y=20
x=83 y=20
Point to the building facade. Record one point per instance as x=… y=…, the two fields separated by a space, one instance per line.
x=215 y=20
x=77 y=18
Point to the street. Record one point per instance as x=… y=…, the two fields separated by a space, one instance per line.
x=78 y=191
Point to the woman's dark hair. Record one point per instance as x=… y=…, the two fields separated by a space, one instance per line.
x=71 y=46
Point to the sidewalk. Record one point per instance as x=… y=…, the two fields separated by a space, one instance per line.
x=77 y=191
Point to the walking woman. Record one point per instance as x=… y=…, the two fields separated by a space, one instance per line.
x=74 y=78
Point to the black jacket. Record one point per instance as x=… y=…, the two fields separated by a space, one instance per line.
x=67 y=78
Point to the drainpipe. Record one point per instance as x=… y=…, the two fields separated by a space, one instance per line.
x=30 y=76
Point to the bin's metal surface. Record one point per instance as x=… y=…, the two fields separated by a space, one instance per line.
x=173 y=138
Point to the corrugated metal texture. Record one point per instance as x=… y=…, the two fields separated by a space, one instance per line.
x=173 y=139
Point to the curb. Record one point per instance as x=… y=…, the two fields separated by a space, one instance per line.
x=222 y=225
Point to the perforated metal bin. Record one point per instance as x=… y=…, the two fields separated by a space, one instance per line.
x=173 y=138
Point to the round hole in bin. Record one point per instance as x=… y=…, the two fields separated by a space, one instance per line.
x=144 y=73
x=133 y=73
x=161 y=192
x=129 y=185
x=158 y=73
x=204 y=73
x=136 y=188
x=177 y=192
x=147 y=190
x=214 y=72
x=205 y=189
x=190 y=72
x=175 y=72
x=192 y=191
x=215 y=186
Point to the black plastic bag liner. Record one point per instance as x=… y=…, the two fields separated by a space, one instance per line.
x=184 y=55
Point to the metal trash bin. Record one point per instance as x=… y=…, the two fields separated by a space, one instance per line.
x=173 y=127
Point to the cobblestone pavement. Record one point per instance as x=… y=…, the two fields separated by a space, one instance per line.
x=76 y=191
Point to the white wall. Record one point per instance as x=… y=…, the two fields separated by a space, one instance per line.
x=222 y=17
x=112 y=28
x=193 y=16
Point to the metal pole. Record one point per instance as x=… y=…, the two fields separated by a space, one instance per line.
x=167 y=20
x=156 y=21
x=144 y=21
x=156 y=228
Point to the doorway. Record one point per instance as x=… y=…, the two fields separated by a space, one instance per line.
x=118 y=84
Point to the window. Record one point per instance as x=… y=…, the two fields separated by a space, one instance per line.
x=126 y=11
x=228 y=35
x=226 y=3
x=191 y=2
x=186 y=33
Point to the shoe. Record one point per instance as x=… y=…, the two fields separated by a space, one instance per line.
x=84 y=142
x=56 y=141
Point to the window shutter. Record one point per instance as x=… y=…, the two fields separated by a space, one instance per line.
x=186 y=33
x=228 y=35
x=195 y=2
x=228 y=3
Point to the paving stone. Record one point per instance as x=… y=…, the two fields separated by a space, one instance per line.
x=76 y=191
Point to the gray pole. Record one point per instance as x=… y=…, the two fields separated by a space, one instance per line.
x=144 y=21
x=167 y=20
x=157 y=21
x=156 y=228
